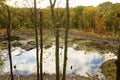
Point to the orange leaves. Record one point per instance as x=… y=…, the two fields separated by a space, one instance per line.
x=3 y=30
x=100 y=23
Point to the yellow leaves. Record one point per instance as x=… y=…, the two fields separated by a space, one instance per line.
x=1 y=62
x=72 y=13
x=58 y=23
x=0 y=55
x=103 y=36
x=1 y=46
x=100 y=23
x=89 y=9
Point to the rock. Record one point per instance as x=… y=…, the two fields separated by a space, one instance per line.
x=28 y=47
x=16 y=44
x=76 y=46
x=31 y=42
x=46 y=46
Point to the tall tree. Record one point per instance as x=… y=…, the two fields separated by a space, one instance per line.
x=36 y=37
x=66 y=39
x=106 y=11
x=57 y=52
x=52 y=5
x=8 y=35
x=9 y=41
x=41 y=47
x=89 y=15
x=76 y=17
x=118 y=55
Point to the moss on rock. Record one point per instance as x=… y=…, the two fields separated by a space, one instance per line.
x=109 y=69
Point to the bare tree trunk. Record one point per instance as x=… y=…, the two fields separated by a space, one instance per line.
x=36 y=37
x=118 y=55
x=9 y=41
x=52 y=5
x=118 y=65
x=41 y=48
x=66 y=40
x=57 y=53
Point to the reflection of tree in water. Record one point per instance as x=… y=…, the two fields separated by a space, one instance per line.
x=1 y=63
x=76 y=64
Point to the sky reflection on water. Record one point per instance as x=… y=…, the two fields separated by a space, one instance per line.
x=79 y=62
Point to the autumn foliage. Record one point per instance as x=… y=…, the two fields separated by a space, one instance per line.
x=4 y=30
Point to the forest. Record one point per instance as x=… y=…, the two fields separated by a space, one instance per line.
x=62 y=37
x=101 y=18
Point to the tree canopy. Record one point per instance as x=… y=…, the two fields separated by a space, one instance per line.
x=100 y=18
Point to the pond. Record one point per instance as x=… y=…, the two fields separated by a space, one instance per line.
x=79 y=62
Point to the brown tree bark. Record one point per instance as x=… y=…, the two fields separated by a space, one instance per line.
x=36 y=37
x=118 y=55
x=41 y=47
x=118 y=65
x=57 y=53
x=52 y=5
x=9 y=41
x=66 y=39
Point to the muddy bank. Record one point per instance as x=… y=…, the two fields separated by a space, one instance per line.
x=29 y=33
x=82 y=41
x=46 y=77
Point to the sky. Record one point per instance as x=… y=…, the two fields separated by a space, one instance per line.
x=60 y=3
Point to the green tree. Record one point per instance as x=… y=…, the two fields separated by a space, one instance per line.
x=105 y=6
x=89 y=17
x=76 y=17
x=3 y=17
x=106 y=9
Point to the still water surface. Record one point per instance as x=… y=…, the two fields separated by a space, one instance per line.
x=79 y=62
